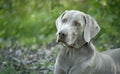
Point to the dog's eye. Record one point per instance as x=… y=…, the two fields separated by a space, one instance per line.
x=76 y=23
x=64 y=20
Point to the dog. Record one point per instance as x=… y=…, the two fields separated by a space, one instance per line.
x=75 y=30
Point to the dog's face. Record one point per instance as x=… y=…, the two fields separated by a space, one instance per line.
x=71 y=28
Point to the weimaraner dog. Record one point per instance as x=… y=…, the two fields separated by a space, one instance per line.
x=79 y=55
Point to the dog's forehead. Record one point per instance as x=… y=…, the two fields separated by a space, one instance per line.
x=74 y=15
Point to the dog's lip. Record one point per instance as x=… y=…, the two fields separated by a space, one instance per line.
x=66 y=43
x=71 y=45
x=60 y=40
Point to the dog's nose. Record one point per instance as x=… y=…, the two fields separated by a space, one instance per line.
x=62 y=34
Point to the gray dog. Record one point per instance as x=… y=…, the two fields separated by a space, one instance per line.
x=79 y=55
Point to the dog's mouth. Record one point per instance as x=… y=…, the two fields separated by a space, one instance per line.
x=70 y=46
x=64 y=42
x=60 y=40
x=71 y=43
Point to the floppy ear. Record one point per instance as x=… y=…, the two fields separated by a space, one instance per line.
x=91 y=28
x=58 y=21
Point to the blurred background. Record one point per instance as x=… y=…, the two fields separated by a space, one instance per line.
x=27 y=31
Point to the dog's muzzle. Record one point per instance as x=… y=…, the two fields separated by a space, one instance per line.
x=61 y=36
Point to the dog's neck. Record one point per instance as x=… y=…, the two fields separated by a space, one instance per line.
x=84 y=44
x=87 y=49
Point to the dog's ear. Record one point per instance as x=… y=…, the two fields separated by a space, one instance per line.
x=91 y=28
x=58 y=21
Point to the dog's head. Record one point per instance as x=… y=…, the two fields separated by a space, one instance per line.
x=75 y=28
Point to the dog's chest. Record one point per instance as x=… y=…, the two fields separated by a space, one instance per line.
x=67 y=59
x=73 y=60
x=68 y=55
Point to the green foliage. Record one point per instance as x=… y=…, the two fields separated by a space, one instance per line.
x=33 y=21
